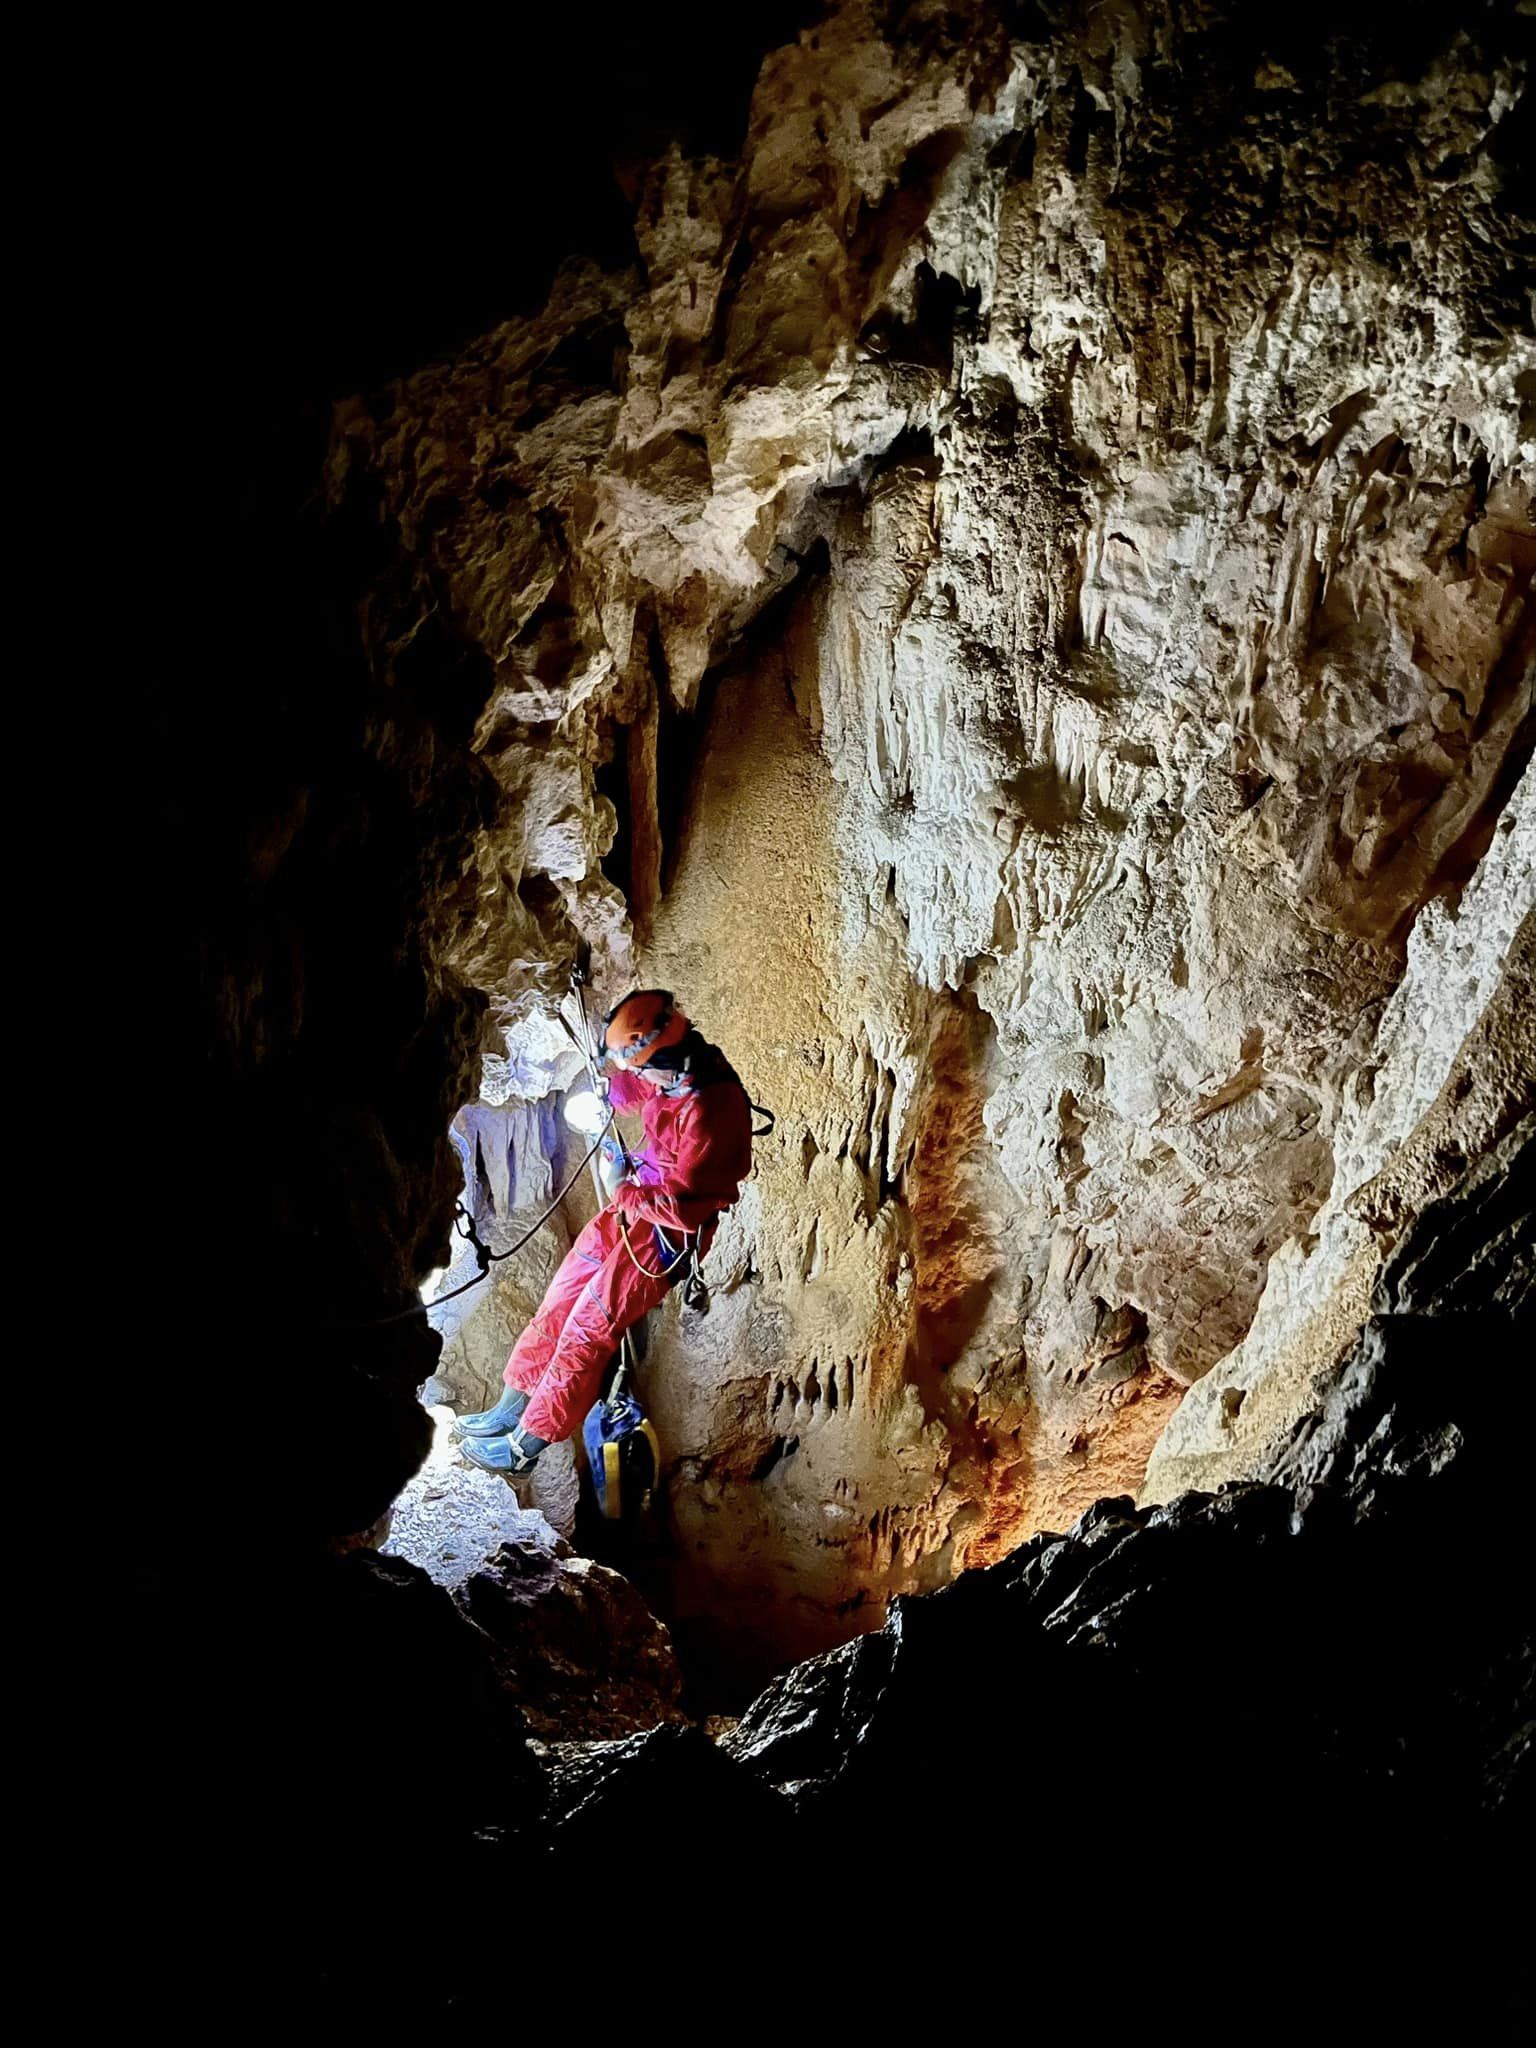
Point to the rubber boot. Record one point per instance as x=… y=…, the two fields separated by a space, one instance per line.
x=509 y=1454
x=494 y=1421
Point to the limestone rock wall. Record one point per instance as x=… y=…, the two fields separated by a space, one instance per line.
x=1383 y=1520
x=1449 y=1078
x=1014 y=605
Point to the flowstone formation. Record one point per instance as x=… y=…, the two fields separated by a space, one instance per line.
x=1017 y=606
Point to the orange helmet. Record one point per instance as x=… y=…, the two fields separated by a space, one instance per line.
x=646 y=1022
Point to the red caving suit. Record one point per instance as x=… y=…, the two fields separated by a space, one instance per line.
x=698 y=1152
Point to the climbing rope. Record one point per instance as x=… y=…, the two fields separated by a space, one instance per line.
x=634 y=1256
x=483 y=1252
x=586 y=1046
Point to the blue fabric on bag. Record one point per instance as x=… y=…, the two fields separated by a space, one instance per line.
x=609 y=1422
x=666 y=1251
x=616 y=1419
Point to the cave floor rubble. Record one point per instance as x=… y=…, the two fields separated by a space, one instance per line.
x=452 y=1517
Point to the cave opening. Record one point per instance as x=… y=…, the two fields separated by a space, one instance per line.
x=611 y=779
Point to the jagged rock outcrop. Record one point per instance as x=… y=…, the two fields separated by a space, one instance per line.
x=574 y=1646
x=1449 y=1076
x=1273 y=1636
x=452 y=1516
x=1103 y=437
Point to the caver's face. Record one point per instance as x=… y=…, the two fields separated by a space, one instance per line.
x=652 y=1076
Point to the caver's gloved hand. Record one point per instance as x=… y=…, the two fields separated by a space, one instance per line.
x=634 y=1166
x=613 y=1165
x=622 y=1168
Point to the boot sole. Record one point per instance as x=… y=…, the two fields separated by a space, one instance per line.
x=502 y=1471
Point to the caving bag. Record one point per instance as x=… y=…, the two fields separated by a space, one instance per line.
x=623 y=1457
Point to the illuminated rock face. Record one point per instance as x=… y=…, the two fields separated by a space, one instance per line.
x=1017 y=606
x=1012 y=611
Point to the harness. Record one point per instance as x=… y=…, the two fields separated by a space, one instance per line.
x=678 y=1262
x=623 y=1453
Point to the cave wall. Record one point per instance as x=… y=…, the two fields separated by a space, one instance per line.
x=1014 y=605
x=854 y=1416
x=528 y=572
x=327 y=794
x=1446 y=1078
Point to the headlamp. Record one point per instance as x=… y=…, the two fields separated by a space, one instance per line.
x=586 y=1111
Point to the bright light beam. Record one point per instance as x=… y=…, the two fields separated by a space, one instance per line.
x=586 y=1111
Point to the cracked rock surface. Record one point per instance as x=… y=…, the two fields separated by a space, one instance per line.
x=1273 y=1635
x=1017 y=605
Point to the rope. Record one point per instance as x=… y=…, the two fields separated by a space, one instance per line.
x=586 y=1047
x=633 y=1259
x=487 y=1257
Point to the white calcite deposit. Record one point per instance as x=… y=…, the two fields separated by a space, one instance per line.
x=1018 y=606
